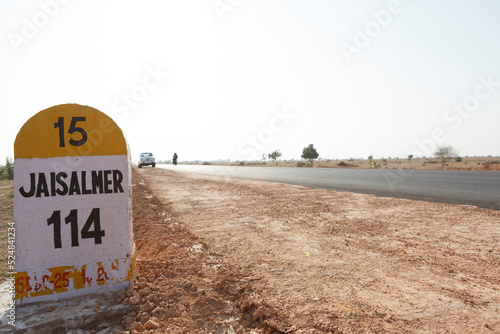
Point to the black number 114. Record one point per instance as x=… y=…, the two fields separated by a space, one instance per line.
x=94 y=219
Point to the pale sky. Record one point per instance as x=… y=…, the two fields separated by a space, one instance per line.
x=233 y=79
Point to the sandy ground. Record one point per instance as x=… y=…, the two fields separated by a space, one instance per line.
x=283 y=258
x=182 y=284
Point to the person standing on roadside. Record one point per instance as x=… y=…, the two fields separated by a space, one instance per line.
x=174 y=159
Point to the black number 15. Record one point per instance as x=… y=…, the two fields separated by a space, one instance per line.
x=72 y=129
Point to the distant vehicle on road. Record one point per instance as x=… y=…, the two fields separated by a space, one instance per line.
x=147 y=159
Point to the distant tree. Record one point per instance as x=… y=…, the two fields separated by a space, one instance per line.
x=7 y=171
x=458 y=159
x=410 y=157
x=309 y=153
x=274 y=155
x=445 y=153
x=263 y=157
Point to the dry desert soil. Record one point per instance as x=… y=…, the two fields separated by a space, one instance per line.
x=283 y=258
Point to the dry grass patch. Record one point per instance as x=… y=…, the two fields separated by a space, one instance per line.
x=6 y=216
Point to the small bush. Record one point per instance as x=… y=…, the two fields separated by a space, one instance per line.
x=373 y=163
x=458 y=159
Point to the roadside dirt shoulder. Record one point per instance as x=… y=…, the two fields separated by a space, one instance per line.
x=327 y=261
x=182 y=284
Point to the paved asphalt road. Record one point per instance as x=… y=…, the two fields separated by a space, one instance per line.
x=480 y=188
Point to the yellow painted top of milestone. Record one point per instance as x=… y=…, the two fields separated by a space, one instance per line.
x=69 y=130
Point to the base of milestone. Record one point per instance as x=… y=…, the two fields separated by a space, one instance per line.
x=62 y=282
